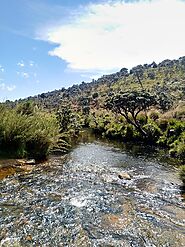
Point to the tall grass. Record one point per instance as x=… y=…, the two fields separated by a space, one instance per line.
x=27 y=135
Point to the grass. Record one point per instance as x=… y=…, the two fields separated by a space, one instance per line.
x=30 y=135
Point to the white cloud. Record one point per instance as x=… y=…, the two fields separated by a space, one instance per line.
x=2 y=86
x=21 y=64
x=31 y=63
x=109 y=36
x=24 y=75
x=1 y=68
x=9 y=88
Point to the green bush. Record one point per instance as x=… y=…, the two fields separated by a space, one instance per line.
x=142 y=119
x=178 y=147
x=23 y=135
x=154 y=115
x=182 y=173
x=172 y=131
x=129 y=132
x=163 y=124
x=153 y=132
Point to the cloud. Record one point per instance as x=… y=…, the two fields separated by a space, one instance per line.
x=21 y=64
x=11 y=88
x=31 y=63
x=1 y=68
x=24 y=75
x=2 y=86
x=5 y=87
x=109 y=36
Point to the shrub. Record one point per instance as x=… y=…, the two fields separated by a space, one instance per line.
x=153 y=132
x=182 y=173
x=27 y=135
x=129 y=132
x=154 y=115
x=163 y=124
x=142 y=119
x=178 y=147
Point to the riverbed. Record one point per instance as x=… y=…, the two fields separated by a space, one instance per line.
x=80 y=200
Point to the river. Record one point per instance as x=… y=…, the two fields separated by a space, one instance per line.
x=81 y=201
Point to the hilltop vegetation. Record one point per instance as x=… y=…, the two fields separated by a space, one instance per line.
x=166 y=78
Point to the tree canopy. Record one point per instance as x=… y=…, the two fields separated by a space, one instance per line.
x=130 y=104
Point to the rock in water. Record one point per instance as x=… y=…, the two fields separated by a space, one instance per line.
x=25 y=162
x=124 y=175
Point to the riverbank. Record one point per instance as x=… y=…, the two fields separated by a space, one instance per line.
x=167 y=134
x=10 y=167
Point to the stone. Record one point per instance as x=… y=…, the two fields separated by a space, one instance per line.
x=124 y=175
x=25 y=162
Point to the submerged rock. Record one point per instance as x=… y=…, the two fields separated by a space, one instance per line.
x=11 y=166
x=25 y=162
x=124 y=175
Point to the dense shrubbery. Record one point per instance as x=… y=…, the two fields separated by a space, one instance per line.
x=166 y=133
x=182 y=173
x=27 y=133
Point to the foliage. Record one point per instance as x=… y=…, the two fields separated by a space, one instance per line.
x=182 y=173
x=27 y=135
x=172 y=130
x=130 y=104
x=68 y=119
x=178 y=147
x=153 y=132
x=164 y=100
x=26 y=108
x=154 y=115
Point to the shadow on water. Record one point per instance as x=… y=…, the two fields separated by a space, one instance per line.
x=81 y=201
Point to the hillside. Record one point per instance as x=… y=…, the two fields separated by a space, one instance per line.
x=167 y=77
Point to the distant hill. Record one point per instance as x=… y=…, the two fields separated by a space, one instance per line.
x=166 y=77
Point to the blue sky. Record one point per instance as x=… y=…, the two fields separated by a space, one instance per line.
x=49 y=44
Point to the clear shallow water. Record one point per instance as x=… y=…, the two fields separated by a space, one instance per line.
x=82 y=202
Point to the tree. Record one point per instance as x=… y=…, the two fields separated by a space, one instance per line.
x=163 y=97
x=64 y=117
x=67 y=119
x=138 y=72
x=130 y=104
x=84 y=102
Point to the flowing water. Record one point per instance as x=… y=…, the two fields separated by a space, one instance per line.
x=81 y=201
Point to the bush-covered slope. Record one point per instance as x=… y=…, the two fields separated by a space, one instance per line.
x=167 y=77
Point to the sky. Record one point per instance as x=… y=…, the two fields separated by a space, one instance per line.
x=50 y=44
